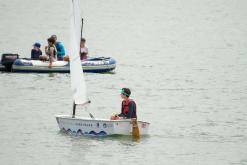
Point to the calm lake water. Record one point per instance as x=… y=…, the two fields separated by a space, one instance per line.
x=185 y=62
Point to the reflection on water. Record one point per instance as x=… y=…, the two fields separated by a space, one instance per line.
x=51 y=74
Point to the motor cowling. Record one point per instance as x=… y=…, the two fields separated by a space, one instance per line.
x=8 y=59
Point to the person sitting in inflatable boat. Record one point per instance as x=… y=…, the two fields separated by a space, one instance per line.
x=51 y=52
x=83 y=49
x=128 y=109
x=60 y=48
x=36 y=52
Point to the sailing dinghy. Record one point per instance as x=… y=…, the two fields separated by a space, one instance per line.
x=83 y=125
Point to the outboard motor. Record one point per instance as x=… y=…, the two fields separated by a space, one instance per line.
x=8 y=59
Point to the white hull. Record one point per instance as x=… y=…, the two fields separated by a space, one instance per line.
x=98 y=127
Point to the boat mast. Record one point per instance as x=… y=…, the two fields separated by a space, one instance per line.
x=81 y=26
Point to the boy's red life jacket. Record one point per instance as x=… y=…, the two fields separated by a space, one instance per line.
x=125 y=107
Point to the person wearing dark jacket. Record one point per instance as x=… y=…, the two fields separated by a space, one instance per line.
x=128 y=109
x=36 y=52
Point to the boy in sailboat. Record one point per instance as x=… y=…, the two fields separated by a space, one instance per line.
x=128 y=109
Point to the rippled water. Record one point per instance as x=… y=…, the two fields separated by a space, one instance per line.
x=185 y=62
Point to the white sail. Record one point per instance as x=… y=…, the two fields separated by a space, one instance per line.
x=76 y=73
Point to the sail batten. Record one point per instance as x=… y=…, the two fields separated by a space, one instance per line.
x=76 y=72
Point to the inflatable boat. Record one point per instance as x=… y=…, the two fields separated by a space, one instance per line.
x=92 y=64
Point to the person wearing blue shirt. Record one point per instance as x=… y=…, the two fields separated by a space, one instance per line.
x=60 y=48
x=36 y=52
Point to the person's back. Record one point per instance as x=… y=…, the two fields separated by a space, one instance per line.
x=60 y=50
x=36 y=52
x=128 y=109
